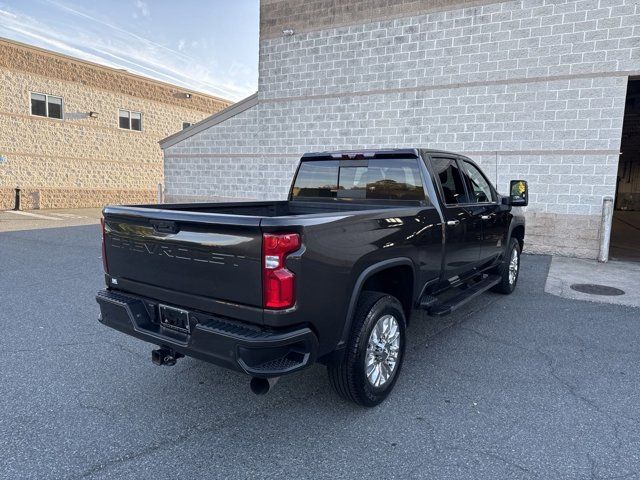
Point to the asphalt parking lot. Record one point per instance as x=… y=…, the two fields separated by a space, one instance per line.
x=11 y=220
x=523 y=386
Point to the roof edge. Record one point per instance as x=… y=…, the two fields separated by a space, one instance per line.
x=119 y=71
x=364 y=153
x=215 y=119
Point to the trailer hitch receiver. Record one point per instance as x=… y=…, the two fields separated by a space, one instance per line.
x=165 y=356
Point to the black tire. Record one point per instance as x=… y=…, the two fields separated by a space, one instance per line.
x=507 y=286
x=348 y=375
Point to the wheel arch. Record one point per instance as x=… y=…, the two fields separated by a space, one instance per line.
x=517 y=232
x=378 y=277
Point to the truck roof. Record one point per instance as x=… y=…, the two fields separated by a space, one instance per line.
x=370 y=153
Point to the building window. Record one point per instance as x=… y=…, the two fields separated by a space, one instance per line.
x=46 y=105
x=186 y=125
x=130 y=120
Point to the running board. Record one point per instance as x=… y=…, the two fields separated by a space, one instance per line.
x=469 y=293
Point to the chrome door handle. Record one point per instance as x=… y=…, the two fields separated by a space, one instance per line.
x=485 y=217
x=452 y=223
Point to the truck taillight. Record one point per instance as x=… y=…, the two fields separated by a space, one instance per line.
x=104 y=247
x=278 y=283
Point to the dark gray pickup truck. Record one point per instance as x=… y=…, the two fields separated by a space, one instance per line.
x=331 y=275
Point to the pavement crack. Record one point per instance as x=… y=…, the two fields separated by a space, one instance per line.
x=497 y=341
x=573 y=390
x=494 y=456
x=48 y=347
x=593 y=467
x=127 y=350
x=96 y=408
x=188 y=434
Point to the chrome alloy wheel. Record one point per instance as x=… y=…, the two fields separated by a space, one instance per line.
x=383 y=350
x=513 y=266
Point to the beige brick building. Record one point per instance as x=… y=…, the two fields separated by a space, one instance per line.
x=104 y=148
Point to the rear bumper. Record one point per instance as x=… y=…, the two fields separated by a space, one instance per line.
x=252 y=350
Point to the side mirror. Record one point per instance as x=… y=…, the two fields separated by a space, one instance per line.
x=518 y=193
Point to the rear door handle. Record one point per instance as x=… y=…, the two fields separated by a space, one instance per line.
x=485 y=217
x=452 y=223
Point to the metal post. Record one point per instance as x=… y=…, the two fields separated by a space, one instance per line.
x=605 y=229
x=160 y=193
x=17 y=202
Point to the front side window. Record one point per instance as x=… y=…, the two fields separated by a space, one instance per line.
x=479 y=187
x=46 y=105
x=130 y=120
x=450 y=179
x=375 y=179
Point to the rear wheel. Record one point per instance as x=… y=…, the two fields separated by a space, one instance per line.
x=371 y=363
x=509 y=269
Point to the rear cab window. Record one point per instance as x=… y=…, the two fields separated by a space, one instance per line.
x=393 y=180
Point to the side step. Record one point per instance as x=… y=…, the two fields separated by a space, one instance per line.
x=428 y=301
x=439 y=309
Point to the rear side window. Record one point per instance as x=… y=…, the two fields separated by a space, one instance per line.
x=375 y=179
x=317 y=179
x=451 y=180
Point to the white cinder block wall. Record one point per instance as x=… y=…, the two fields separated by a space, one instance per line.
x=531 y=89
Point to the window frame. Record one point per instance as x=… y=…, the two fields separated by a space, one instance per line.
x=470 y=194
x=46 y=105
x=130 y=112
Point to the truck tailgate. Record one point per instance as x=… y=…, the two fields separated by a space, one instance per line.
x=210 y=255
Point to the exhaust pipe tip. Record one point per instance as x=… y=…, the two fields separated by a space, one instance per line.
x=262 y=386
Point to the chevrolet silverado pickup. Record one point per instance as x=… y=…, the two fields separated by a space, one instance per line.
x=330 y=275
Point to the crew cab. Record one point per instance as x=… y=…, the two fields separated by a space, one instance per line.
x=330 y=275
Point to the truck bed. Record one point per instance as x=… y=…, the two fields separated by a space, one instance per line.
x=272 y=208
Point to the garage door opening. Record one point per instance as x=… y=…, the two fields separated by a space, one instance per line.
x=625 y=230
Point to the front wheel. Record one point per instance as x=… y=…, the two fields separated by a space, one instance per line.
x=509 y=269
x=371 y=363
